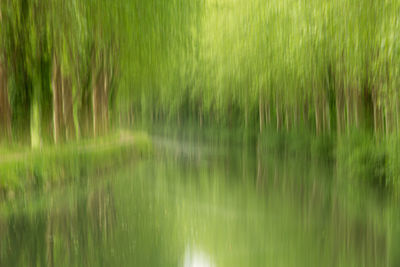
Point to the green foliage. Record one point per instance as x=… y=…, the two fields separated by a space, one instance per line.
x=320 y=65
x=286 y=55
x=393 y=162
x=361 y=157
x=325 y=70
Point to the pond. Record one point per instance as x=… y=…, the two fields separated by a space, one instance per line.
x=204 y=203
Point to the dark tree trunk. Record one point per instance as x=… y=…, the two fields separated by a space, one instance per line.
x=45 y=101
x=268 y=113
x=376 y=111
x=261 y=111
x=21 y=104
x=287 y=119
x=85 y=113
x=105 y=103
x=339 y=111
x=5 y=111
x=317 y=111
x=97 y=104
x=278 y=118
x=68 y=110
x=21 y=97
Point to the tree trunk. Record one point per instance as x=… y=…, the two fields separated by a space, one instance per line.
x=396 y=112
x=339 y=110
x=287 y=119
x=375 y=111
x=45 y=102
x=357 y=108
x=386 y=115
x=5 y=111
x=317 y=115
x=278 y=119
x=21 y=107
x=97 y=91
x=375 y=119
x=68 y=111
x=328 y=118
x=57 y=103
x=100 y=103
x=246 y=114
x=324 y=117
x=201 y=114
x=305 y=113
x=261 y=111
x=348 y=122
x=268 y=113
x=105 y=101
x=85 y=112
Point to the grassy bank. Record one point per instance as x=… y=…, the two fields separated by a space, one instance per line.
x=372 y=161
x=23 y=169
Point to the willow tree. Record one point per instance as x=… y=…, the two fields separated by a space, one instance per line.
x=5 y=112
x=26 y=55
x=16 y=37
x=40 y=71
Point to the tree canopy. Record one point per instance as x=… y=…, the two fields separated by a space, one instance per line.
x=77 y=68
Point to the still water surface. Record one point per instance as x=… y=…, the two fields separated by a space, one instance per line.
x=202 y=203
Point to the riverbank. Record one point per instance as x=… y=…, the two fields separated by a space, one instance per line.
x=227 y=202
x=360 y=158
x=24 y=169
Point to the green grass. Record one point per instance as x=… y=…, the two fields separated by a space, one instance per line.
x=22 y=170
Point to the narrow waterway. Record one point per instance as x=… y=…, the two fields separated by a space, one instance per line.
x=203 y=203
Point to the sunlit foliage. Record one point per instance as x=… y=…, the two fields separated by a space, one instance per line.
x=77 y=68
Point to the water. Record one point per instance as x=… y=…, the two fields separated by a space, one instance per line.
x=204 y=204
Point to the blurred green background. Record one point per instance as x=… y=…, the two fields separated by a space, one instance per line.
x=208 y=132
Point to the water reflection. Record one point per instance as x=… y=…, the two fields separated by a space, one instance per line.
x=241 y=206
x=71 y=228
x=196 y=258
